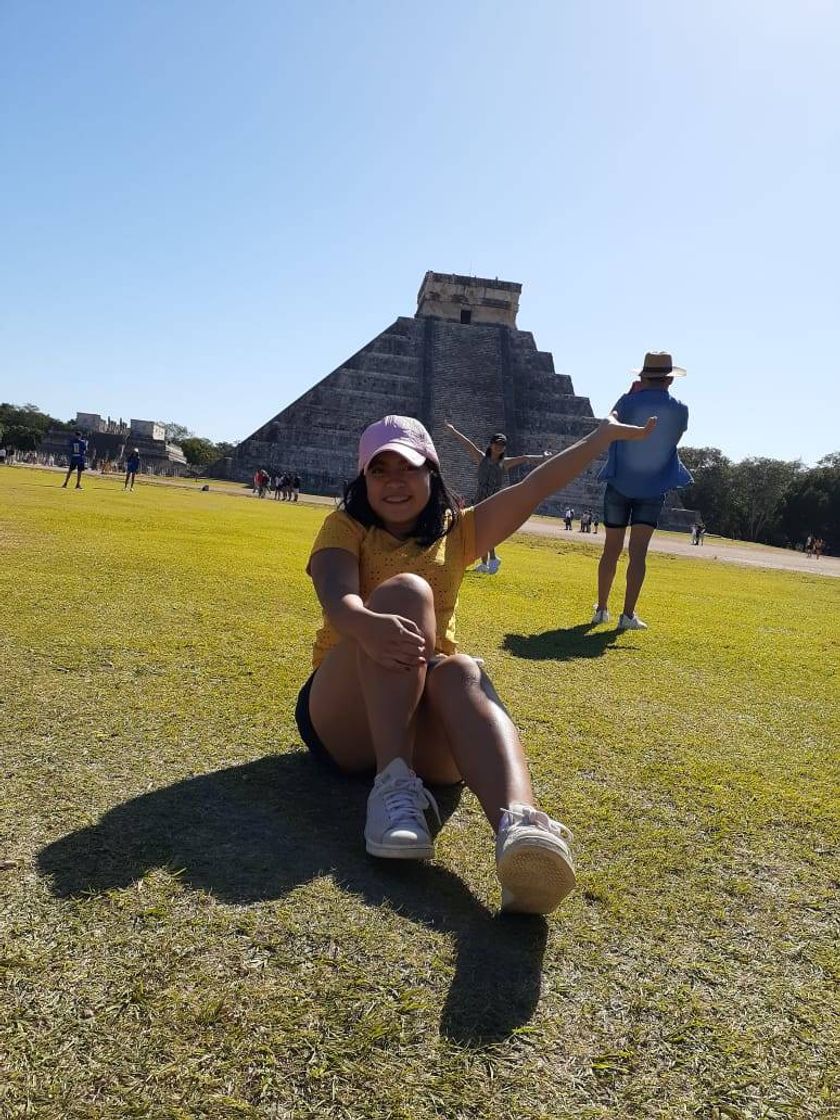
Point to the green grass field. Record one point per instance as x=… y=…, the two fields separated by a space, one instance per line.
x=190 y=927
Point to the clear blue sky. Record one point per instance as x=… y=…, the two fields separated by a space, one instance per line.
x=207 y=206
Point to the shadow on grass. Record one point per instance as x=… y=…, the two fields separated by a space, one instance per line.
x=564 y=645
x=255 y=832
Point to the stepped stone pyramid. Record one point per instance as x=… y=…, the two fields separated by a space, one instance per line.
x=460 y=358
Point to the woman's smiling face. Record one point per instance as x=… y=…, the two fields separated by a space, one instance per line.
x=397 y=491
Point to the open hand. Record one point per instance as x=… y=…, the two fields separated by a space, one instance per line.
x=393 y=642
x=615 y=430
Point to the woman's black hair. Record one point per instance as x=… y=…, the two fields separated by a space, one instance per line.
x=437 y=519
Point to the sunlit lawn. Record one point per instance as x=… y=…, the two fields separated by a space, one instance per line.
x=190 y=927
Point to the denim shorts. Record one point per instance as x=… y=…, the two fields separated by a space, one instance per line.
x=619 y=511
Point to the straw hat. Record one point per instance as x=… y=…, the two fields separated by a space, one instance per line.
x=659 y=364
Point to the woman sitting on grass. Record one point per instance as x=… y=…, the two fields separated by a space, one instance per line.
x=389 y=690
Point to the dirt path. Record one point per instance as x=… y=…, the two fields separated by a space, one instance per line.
x=715 y=548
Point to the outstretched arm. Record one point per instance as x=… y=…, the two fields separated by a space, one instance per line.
x=502 y=514
x=474 y=452
x=518 y=460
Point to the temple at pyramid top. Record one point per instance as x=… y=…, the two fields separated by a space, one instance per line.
x=468 y=299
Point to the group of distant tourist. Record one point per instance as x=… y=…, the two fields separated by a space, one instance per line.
x=285 y=486
x=390 y=693
x=589 y=521
x=698 y=531
x=814 y=547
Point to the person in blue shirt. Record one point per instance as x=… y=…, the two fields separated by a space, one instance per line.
x=132 y=466
x=77 y=449
x=638 y=476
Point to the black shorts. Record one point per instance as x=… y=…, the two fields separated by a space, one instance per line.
x=305 y=727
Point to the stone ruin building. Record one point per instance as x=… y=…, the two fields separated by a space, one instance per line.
x=462 y=359
x=109 y=440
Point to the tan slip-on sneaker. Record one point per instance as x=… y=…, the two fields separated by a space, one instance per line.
x=533 y=861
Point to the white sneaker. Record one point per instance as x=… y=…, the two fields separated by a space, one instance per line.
x=396 y=827
x=533 y=861
x=494 y=565
x=631 y=622
x=482 y=567
x=599 y=616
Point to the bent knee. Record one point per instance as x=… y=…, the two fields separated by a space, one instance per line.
x=459 y=671
x=400 y=588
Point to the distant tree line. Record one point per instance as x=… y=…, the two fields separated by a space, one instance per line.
x=198 y=451
x=23 y=426
x=774 y=501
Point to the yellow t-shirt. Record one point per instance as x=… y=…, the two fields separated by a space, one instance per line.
x=382 y=556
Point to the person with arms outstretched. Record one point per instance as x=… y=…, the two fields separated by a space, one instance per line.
x=389 y=692
x=638 y=478
x=493 y=465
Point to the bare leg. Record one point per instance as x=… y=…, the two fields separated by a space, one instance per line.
x=464 y=729
x=363 y=713
x=392 y=696
x=613 y=544
x=639 y=540
x=366 y=715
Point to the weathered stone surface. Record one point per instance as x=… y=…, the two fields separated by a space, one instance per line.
x=483 y=376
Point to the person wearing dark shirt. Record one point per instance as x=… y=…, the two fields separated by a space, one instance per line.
x=638 y=479
x=132 y=466
x=77 y=449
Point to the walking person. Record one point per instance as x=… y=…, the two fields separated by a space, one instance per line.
x=493 y=466
x=638 y=479
x=78 y=449
x=567 y=518
x=132 y=466
x=296 y=486
x=389 y=691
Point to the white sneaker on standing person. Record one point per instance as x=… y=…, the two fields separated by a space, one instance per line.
x=389 y=691
x=638 y=478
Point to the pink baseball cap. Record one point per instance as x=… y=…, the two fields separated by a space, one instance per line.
x=402 y=434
